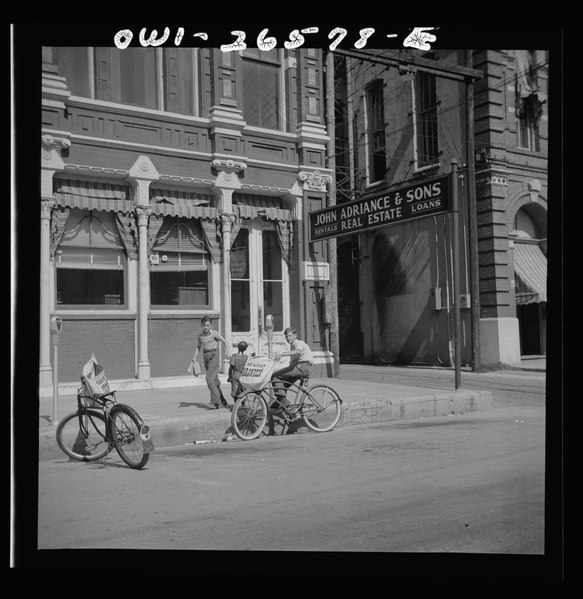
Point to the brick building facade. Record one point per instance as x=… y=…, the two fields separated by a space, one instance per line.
x=174 y=184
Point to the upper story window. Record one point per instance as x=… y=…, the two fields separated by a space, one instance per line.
x=262 y=93
x=527 y=130
x=375 y=132
x=530 y=95
x=158 y=78
x=425 y=111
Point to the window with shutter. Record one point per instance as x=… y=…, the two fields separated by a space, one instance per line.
x=90 y=261
x=179 y=273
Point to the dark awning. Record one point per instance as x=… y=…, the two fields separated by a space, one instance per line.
x=530 y=265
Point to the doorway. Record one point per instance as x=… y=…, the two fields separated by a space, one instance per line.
x=532 y=327
x=351 y=344
x=259 y=286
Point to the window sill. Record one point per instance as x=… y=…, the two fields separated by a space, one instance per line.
x=92 y=314
x=182 y=313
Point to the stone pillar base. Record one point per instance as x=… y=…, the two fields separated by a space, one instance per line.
x=499 y=341
x=144 y=370
x=45 y=376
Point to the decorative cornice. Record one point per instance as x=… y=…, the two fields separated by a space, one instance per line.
x=315 y=180
x=185 y=181
x=228 y=166
x=57 y=143
x=265 y=188
x=492 y=175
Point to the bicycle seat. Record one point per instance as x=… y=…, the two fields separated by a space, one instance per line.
x=102 y=395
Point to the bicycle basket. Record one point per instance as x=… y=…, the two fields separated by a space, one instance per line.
x=257 y=372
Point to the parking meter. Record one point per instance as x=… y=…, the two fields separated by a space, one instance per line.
x=269 y=331
x=56 y=329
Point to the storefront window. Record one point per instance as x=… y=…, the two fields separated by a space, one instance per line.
x=90 y=261
x=179 y=274
x=240 y=283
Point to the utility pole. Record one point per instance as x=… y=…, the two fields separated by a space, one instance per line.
x=473 y=221
x=456 y=271
x=332 y=255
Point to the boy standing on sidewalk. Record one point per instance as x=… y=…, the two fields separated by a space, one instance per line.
x=208 y=341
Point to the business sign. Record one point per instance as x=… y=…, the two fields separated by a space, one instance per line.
x=388 y=208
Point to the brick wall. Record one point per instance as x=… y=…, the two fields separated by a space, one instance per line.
x=112 y=342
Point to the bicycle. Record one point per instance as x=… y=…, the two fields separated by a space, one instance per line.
x=318 y=406
x=99 y=425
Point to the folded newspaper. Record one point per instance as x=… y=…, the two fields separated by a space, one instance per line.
x=194 y=368
x=94 y=377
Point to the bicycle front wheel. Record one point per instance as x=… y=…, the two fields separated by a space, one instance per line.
x=321 y=408
x=249 y=415
x=124 y=429
x=83 y=436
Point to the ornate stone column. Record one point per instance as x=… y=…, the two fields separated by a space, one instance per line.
x=45 y=368
x=140 y=175
x=51 y=162
x=143 y=214
x=226 y=183
x=227 y=220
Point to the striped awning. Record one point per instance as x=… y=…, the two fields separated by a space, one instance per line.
x=186 y=204
x=93 y=195
x=252 y=206
x=184 y=209
x=530 y=266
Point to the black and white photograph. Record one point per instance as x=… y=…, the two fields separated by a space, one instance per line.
x=292 y=300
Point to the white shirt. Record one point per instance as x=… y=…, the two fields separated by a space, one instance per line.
x=306 y=352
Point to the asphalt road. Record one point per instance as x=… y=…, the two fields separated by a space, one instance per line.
x=470 y=485
x=467 y=483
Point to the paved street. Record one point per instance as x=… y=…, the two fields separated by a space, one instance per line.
x=463 y=484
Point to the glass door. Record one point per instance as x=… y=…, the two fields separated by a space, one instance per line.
x=259 y=287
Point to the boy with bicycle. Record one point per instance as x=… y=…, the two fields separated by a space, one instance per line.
x=299 y=366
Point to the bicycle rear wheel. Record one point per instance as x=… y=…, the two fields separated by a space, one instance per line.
x=124 y=429
x=83 y=437
x=321 y=408
x=249 y=415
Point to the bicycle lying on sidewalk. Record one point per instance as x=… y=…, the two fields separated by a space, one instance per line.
x=318 y=406
x=99 y=425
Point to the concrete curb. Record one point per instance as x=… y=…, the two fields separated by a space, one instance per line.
x=215 y=425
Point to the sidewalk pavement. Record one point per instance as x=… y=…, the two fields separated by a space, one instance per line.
x=180 y=415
